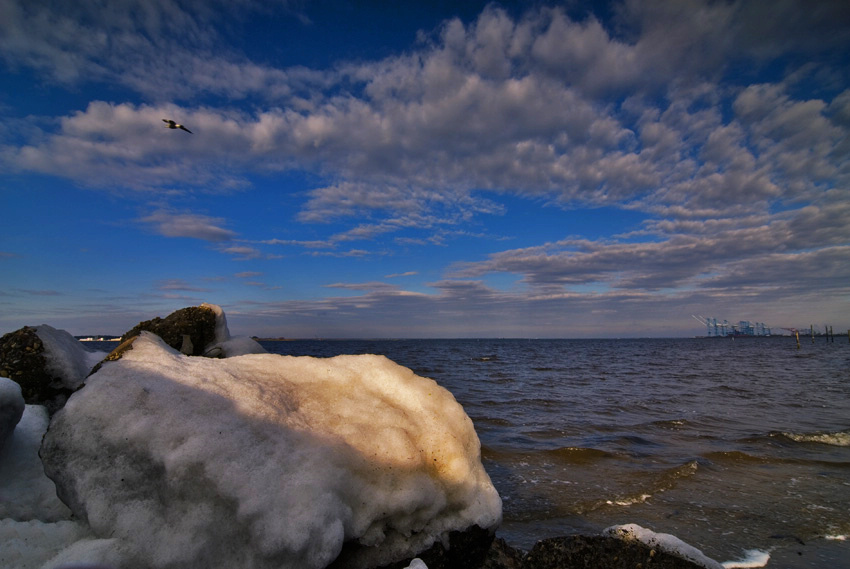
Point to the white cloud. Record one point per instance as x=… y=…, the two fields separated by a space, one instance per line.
x=649 y=111
x=241 y=252
x=196 y=226
x=179 y=285
x=500 y=105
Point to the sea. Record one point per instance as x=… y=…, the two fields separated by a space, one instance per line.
x=738 y=446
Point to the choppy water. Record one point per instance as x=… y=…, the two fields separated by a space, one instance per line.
x=731 y=445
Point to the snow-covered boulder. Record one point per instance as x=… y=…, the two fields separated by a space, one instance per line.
x=264 y=460
x=47 y=363
x=670 y=544
x=197 y=331
x=225 y=345
x=609 y=551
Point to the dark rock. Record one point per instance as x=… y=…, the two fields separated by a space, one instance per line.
x=22 y=360
x=598 y=552
x=503 y=556
x=467 y=550
x=196 y=322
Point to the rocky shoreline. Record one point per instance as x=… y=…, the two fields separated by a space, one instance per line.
x=196 y=331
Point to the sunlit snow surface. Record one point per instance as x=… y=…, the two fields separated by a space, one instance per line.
x=264 y=460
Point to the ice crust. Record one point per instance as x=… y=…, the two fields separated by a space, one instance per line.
x=263 y=460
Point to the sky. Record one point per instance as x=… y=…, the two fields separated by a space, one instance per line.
x=426 y=170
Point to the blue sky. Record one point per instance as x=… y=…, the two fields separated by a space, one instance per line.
x=443 y=169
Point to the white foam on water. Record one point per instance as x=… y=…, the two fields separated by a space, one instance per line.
x=752 y=558
x=839 y=439
x=630 y=501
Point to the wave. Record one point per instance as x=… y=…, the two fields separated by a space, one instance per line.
x=570 y=456
x=740 y=458
x=736 y=457
x=752 y=558
x=660 y=482
x=629 y=500
x=578 y=455
x=839 y=439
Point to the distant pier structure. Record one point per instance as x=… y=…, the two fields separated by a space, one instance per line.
x=721 y=329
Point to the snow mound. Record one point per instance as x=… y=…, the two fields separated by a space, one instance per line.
x=32 y=544
x=66 y=357
x=11 y=408
x=264 y=460
x=664 y=542
x=25 y=492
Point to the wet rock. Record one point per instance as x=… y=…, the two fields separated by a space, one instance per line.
x=597 y=552
x=189 y=330
x=503 y=556
x=22 y=359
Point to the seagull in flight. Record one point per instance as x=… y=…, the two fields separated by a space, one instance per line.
x=171 y=124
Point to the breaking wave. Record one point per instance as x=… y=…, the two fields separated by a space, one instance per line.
x=839 y=439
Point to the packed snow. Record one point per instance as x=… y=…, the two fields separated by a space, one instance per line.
x=25 y=492
x=255 y=460
x=66 y=356
x=11 y=408
x=226 y=345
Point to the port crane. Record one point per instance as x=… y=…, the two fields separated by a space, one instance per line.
x=724 y=328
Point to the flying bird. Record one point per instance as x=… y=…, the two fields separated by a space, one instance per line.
x=171 y=124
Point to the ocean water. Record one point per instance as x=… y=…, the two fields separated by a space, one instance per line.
x=734 y=446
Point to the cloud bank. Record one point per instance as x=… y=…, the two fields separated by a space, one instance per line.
x=725 y=125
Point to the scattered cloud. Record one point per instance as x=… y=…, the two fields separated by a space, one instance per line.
x=241 y=252
x=725 y=125
x=46 y=292
x=179 y=285
x=171 y=224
